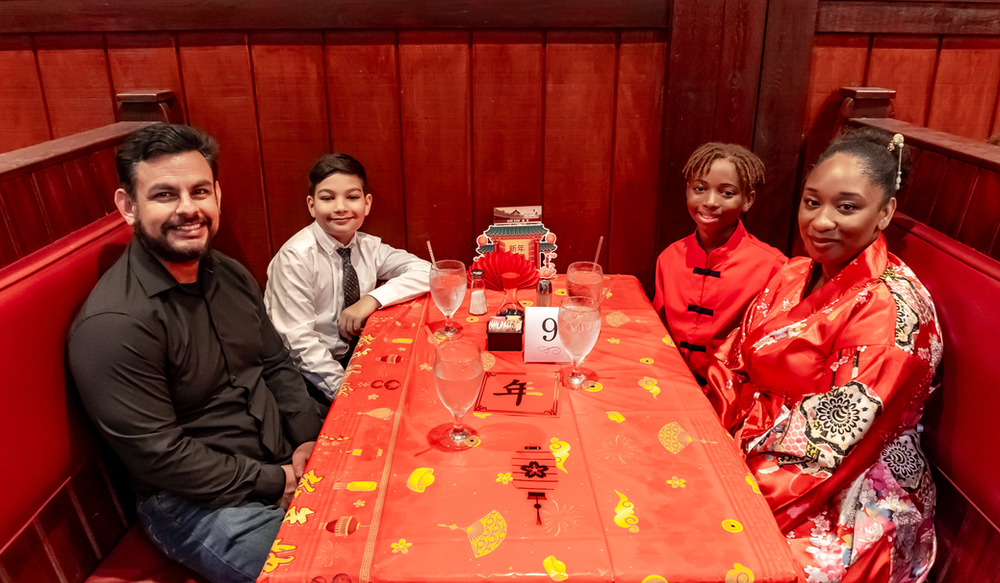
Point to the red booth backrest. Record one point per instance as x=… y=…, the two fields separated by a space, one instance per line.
x=965 y=285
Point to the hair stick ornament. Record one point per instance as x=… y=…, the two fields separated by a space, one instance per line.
x=897 y=142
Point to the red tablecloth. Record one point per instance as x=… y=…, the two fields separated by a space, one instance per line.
x=651 y=488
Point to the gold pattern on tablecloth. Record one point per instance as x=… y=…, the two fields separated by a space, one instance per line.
x=646 y=360
x=560 y=449
x=559 y=518
x=420 y=479
x=616 y=416
x=555 y=568
x=619 y=449
x=296 y=515
x=486 y=534
x=592 y=386
x=675 y=438
x=676 y=482
x=625 y=513
x=488 y=361
x=732 y=525
x=668 y=341
x=739 y=574
x=278 y=556
x=401 y=547
x=655 y=579
x=307 y=483
x=650 y=384
x=382 y=413
x=614 y=341
x=504 y=477
x=616 y=319
x=753 y=484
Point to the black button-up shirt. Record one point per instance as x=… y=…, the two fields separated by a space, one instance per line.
x=190 y=384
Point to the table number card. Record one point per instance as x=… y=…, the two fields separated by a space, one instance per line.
x=541 y=336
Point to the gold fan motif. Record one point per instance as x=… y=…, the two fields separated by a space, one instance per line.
x=485 y=534
x=675 y=438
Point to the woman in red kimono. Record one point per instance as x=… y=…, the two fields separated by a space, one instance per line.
x=824 y=382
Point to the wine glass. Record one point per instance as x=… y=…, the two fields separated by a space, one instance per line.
x=458 y=375
x=447 y=283
x=579 y=327
x=585 y=279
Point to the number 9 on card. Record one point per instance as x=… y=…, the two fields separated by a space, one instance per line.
x=541 y=336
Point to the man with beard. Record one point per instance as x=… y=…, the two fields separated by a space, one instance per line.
x=182 y=373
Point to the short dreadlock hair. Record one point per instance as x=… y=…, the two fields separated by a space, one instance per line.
x=748 y=166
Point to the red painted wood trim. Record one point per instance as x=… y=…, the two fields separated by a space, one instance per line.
x=951 y=146
x=946 y=18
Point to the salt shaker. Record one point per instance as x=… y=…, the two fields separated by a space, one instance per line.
x=543 y=295
x=477 y=303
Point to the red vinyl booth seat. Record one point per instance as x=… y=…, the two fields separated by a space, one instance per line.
x=61 y=517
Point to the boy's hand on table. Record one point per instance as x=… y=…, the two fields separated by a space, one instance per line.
x=352 y=319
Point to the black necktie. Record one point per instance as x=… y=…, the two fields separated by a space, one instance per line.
x=352 y=291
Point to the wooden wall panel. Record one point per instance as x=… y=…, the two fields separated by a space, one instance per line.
x=739 y=71
x=107 y=177
x=923 y=186
x=838 y=60
x=979 y=227
x=88 y=198
x=579 y=85
x=145 y=61
x=906 y=64
x=784 y=81
x=63 y=211
x=29 y=227
x=291 y=109
x=950 y=205
x=220 y=97
x=434 y=74
x=362 y=79
x=508 y=69
x=642 y=57
x=966 y=86
x=691 y=97
x=82 y=100
x=24 y=121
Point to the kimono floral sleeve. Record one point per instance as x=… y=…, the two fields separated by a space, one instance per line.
x=869 y=394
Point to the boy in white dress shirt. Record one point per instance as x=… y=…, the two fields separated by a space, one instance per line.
x=321 y=284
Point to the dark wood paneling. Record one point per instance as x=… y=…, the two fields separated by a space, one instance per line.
x=739 y=71
x=906 y=64
x=28 y=226
x=908 y=17
x=691 y=96
x=59 y=203
x=87 y=197
x=923 y=188
x=579 y=85
x=507 y=90
x=979 y=227
x=291 y=108
x=25 y=560
x=434 y=87
x=220 y=97
x=965 y=87
x=81 y=100
x=642 y=57
x=107 y=177
x=362 y=79
x=780 y=108
x=67 y=537
x=20 y=16
x=24 y=121
x=97 y=505
x=143 y=61
x=838 y=60
x=949 y=208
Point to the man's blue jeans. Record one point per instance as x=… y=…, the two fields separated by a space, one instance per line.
x=225 y=545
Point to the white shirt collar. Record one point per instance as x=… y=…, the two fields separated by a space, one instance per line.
x=328 y=244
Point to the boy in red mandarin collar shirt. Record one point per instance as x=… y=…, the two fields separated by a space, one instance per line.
x=705 y=281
